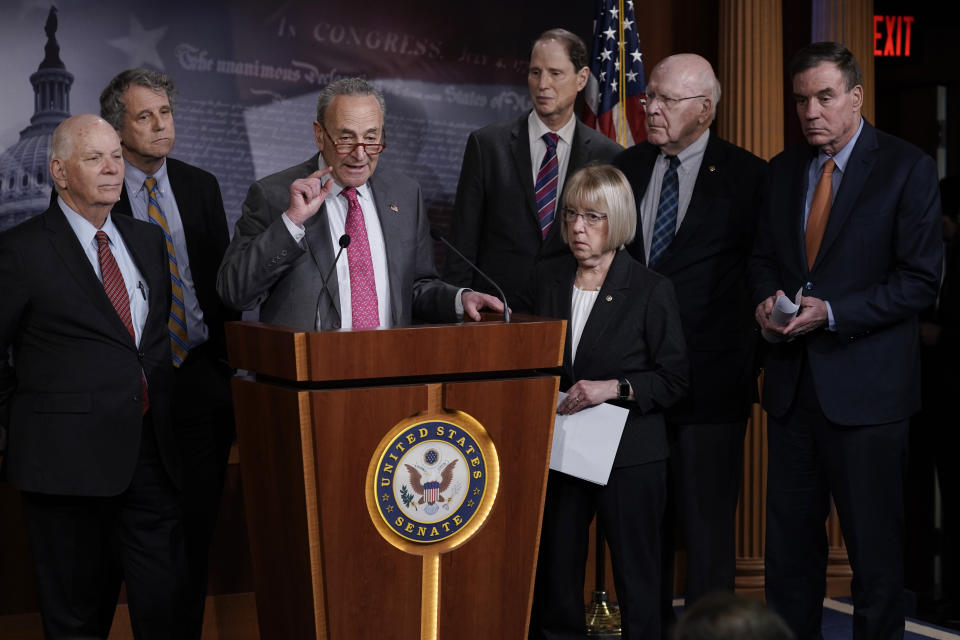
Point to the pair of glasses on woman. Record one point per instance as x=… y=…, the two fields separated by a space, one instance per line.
x=592 y=218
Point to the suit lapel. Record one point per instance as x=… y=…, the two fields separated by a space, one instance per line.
x=520 y=150
x=705 y=190
x=609 y=301
x=858 y=169
x=65 y=243
x=647 y=157
x=155 y=273
x=392 y=225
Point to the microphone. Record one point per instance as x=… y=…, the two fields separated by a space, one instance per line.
x=344 y=243
x=436 y=235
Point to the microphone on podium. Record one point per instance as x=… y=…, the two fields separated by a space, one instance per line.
x=436 y=235
x=344 y=243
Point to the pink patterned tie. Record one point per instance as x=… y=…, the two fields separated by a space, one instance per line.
x=363 y=288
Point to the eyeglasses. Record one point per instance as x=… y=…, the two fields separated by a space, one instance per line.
x=668 y=103
x=591 y=218
x=345 y=148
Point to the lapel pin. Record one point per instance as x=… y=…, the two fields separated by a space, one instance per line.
x=712 y=168
x=394 y=208
x=609 y=298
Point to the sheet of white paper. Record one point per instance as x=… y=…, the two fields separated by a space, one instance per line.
x=784 y=310
x=585 y=443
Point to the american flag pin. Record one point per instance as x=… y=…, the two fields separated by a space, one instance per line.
x=394 y=208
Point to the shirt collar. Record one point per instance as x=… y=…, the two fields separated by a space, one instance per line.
x=694 y=149
x=537 y=128
x=841 y=157
x=134 y=177
x=83 y=228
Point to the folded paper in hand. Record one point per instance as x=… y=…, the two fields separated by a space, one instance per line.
x=784 y=310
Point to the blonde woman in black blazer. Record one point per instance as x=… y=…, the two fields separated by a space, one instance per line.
x=625 y=346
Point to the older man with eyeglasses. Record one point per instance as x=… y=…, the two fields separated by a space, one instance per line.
x=698 y=200
x=284 y=251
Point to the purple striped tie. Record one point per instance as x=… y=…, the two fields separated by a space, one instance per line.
x=546 y=187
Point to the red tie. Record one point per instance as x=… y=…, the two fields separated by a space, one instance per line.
x=116 y=290
x=363 y=286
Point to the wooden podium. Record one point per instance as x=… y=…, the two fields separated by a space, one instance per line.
x=312 y=410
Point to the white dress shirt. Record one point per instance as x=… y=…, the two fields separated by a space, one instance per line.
x=197 y=331
x=137 y=290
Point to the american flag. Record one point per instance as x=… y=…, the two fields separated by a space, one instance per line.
x=614 y=89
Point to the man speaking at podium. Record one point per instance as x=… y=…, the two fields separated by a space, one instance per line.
x=285 y=252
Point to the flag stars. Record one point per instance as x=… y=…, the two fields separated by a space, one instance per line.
x=613 y=85
x=636 y=55
x=605 y=54
x=613 y=13
x=627 y=23
x=616 y=65
x=610 y=33
x=632 y=76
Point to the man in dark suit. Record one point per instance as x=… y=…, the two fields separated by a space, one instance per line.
x=86 y=299
x=852 y=219
x=704 y=246
x=284 y=251
x=139 y=103
x=513 y=174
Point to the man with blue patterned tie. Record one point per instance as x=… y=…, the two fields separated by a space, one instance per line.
x=513 y=174
x=698 y=200
x=185 y=202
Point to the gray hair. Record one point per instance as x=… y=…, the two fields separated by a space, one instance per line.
x=347 y=87
x=112 y=108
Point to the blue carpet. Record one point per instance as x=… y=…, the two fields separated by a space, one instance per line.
x=837 y=624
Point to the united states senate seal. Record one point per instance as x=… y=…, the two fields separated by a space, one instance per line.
x=432 y=480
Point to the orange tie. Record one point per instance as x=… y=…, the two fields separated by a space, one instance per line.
x=819 y=211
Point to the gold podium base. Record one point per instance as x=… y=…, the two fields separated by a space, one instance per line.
x=603 y=618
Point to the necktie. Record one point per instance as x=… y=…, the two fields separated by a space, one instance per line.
x=116 y=290
x=545 y=188
x=177 y=322
x=819 y=212
x=363 y=286
x=665 y=226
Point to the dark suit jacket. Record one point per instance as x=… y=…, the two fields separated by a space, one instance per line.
x=633 y=332
x=878 y=267
x=198 y=197
x=707 y=264
x=264 y=265
x=73 y=395
x=495 y=221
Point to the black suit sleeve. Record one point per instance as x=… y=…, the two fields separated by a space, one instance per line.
x=666 y=382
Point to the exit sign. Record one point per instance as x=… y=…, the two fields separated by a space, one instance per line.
x=891 y=36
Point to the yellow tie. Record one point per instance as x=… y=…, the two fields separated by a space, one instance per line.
x=177 y=322
x=819 y=212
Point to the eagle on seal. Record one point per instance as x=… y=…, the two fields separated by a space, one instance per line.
x=426 y=485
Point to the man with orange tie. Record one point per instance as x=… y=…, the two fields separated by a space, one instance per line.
x=185 y=202
x=86 y=398
x=285 y=248
x=852 y=219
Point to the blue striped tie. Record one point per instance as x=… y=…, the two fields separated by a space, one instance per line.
x=546 y=187
x=177 y=322
x=666 y=224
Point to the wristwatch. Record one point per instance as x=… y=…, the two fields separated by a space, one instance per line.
x=623 y=389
